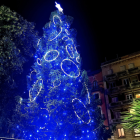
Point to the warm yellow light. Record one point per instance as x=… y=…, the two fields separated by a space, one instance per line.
x=132 y=111
x=137 y=95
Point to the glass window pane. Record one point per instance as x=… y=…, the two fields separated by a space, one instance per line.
x=122 y=131
x=119 y=132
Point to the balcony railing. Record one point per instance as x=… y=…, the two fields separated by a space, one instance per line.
x=118 y=120
x=110 y=77
x=122 y=73
x=120 y=103
x=133 y=70
x=135 y=84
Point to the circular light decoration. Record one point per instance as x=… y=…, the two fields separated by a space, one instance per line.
x=84 y=107
x=57 y=85
x=77 y=58
x=67 y=32
x=65 y=38
x=70 y=53
x=88 y=93
x=38 y=42
x=38 y=62
x=67 y=73
x=58 y=17
x=30 y=96
x=56 y=35
x=53 y=58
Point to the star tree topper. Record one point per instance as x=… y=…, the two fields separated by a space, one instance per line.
x=58 y=7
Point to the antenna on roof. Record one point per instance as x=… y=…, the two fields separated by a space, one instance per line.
x=105 y=59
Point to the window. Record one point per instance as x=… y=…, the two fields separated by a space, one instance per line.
x=131 y=65
x=134 y=79
x=137 y=95
x=136 y=132
x=115 y=99
x=112 y=84
x=129 y=96
x=95 y=84
x=122 y=68
x=110 y=71
x=96 y=96
x=126 y=82
x=121 y=132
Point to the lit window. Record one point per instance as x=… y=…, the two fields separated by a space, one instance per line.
x=129 y=96
x=137 y=95
x=121 y=132
x=137 y=132
x=131 y=65
x=122 y=68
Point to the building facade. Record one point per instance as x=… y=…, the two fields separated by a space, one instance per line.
x=121 y=79
x=96 y=81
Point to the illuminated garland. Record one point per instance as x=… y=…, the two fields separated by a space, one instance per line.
x=87 y=92
x=38 y=41
x=67 y=32
x=38 y=91
x=68 y=74
x=85 y=107
x=52 y=59
x=71 y=50
x=56 y=35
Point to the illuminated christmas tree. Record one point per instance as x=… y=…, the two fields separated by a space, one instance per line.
x=60 y=106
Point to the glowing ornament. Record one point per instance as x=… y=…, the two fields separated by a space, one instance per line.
x=77 y=59
x=65 y=38
x=38 y=62
x=65 y=72
x=30 y=96
x=58 y=7
x=76 y=112
x=57 y=85
x=72 y=56
x=53 y=58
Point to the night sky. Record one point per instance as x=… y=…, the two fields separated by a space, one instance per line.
x=104 y=29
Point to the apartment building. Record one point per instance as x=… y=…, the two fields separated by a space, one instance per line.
x=96 y=80
x=121 y=79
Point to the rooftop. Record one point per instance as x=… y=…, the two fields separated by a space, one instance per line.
x=120 y=58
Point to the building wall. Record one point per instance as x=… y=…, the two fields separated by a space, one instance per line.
x=98 y=77
x=115 y=66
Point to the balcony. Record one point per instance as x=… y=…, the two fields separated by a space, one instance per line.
x=117 y=120
x=135 y=84
x=127 y=101
x=122 y=73
x=115 y=104
x=120 y=103
x=110 y=77
x=112 y=90
x=133 y=70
